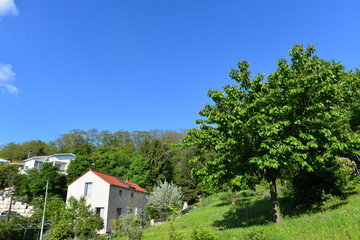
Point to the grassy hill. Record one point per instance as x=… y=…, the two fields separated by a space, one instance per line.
x=250 y=218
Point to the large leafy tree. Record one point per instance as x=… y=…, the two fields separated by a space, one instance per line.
x=18 y=152
x=33 y=184
x=298 y=116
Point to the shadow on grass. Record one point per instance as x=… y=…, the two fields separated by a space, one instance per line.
x=258 y=212
x=245 y=214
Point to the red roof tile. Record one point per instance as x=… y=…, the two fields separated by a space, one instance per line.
x=17 y=163
x=116 y=181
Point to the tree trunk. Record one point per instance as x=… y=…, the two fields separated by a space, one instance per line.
x=271 y=174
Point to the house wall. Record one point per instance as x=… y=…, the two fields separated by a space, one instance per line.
x=29 y=164
x=4 y=162
x=61 y=161
x=99 y=194
x=125 y=202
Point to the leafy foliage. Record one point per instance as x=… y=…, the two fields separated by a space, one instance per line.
x=60 y=231
x=9 y=176
x=201 y=234
x=131 y=225
x=19 y=152
x=313 y=187
x=296 y=119
x=165 y=197
x=33 y=184
x=84 y=222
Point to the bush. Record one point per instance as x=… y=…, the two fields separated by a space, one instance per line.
x=256 y=235
x=164 y=200
x=201 y=234
x=131 y=225
x=314 y=187
x=60 y=231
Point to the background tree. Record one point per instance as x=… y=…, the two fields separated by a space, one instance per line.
x=77 y=141
x=156 y=154
x=298 y=117
x=33 y=183
x=182 y=173
x=9 y=176
x=18 y=152
x=78 y=166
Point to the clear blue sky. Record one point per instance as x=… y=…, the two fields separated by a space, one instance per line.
x=142 y=65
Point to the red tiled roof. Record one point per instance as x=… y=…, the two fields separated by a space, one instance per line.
x=116 y=181
x=17 y=163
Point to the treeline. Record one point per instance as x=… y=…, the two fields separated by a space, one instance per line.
x=145 y=157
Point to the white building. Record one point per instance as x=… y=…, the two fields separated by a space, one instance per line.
x=60 y=160
x=108 y=195
x=4 y=161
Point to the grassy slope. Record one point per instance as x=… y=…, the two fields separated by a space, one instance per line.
x=336 y=219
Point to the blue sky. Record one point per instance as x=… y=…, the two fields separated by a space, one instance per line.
x=142 y=65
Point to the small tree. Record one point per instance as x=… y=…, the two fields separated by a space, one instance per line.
x=131 y=225
x=165 y=197
x=77 y=220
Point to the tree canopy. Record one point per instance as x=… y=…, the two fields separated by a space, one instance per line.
x=299 y=116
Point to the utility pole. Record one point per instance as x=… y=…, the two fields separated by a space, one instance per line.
x=43 y=217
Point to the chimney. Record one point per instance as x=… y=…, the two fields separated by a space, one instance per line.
x=30 y=154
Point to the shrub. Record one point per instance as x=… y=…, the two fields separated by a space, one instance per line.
x=201 y=234
x=60 y=231
x=173 y=235
x=165 y=199
x=256 y=235
x=131 y=225
x=313 y=187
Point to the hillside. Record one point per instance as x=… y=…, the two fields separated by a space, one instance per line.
x=250 y=218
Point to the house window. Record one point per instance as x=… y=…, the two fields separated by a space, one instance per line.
x=88 y=187
x=132 y=194
x=100 y=211
x=118 y=212
x=120 y=193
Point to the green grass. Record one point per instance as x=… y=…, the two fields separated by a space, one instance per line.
x=251 y=219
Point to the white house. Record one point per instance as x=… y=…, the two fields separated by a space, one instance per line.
x=108 y=195
x=4 y=161
x=60 y=160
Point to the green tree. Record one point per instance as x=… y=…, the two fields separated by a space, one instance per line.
x=9 y=176
x=182 y=168
x=157 y=156
x=83 y=221
x=78 y=166
x=33 y=183
x=76 y=141
x=131 y=225
x=19 y=152
x=164 y=198
x=298 y=116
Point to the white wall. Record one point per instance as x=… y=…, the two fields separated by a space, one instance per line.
x=125 y=201
x=99 y=194
x=61 y=161
x=29 y=164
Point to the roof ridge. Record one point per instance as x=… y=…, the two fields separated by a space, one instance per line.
x=106 y=174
